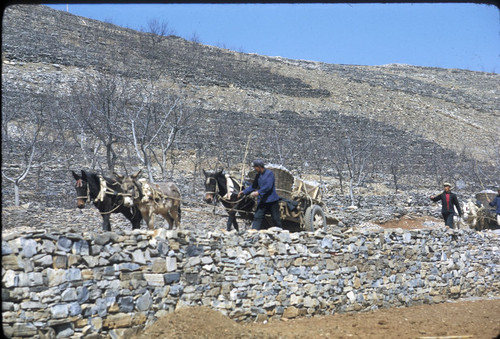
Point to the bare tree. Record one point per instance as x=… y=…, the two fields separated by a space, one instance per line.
x=436 y=165
x=282 y=143
x=156 y=53
x=82 y=136
x=354 y=151
x=30 y=139
x=98 y=103
x=154 y=123
x=159 y=30
x=195 y=38
x=180 y=119
x=396 y=162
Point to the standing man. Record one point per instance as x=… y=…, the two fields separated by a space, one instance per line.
x=448 y=201
x=264 y=189
x=496 y=202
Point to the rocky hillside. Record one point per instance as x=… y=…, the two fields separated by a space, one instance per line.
x=296 y=112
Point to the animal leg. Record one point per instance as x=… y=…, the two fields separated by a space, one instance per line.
x=148 y=218
x=175 y=215
x=151 y=222
x=171 y=213
x=169 y=220
x=106 y=224
x=136 y=220
x=134 y=216
x=231 y=221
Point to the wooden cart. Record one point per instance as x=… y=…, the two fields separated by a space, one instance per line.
x=489 y=215
x=300 y=204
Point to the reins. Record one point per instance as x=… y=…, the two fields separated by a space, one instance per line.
x=220 y=197
x=114 y=209
x=107 y=191
x=100 y=196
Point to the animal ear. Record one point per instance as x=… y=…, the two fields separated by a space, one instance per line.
x=139 y=188
x=76 y=176
x=91 y=178
x=118 y=176
x=136 y=174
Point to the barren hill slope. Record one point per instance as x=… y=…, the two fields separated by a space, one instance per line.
x=298 y=112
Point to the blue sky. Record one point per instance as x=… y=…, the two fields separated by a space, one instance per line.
x=446 y=35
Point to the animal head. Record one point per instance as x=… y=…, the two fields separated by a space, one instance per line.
x=212 y=186
x=81 y=186
x=470 y=207
x=131 y=189
x=87 y=187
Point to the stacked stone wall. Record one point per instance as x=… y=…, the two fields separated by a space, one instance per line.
x=69 y=284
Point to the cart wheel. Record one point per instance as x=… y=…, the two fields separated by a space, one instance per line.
x=314 y=218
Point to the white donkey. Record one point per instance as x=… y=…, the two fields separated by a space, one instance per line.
x=474 y=215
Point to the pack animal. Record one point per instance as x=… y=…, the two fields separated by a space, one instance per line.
x=162 y=198
x=474 y=215
x=224 y=188
x=106 y=195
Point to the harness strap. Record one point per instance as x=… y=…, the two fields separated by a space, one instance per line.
x=102 y=190
x=102 y=193
x=79 y=183
x=227 y=196
x=230 y=187
x=150 y=193
x=147 y=191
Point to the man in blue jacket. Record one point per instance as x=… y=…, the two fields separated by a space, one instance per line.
x=496 y=202
x=449 y=201
x=264 y=189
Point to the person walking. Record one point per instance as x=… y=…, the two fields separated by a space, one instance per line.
x=264 y=188
x=496 y=202
x=449 y=200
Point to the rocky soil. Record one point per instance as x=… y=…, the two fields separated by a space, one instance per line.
x=409 y=106
x=197 y=215
x=293 y=110
x=479 y=319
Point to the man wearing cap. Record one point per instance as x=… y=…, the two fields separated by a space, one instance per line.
x=496 y=202
x=264 y=189
x=448 y=201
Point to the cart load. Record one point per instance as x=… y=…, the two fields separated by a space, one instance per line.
x=300 y=200
x=484 y=197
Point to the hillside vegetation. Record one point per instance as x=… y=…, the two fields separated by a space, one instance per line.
x=79 y=93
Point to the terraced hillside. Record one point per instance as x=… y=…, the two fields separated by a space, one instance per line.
x=428 y=123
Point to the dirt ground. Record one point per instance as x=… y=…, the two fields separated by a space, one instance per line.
x=478 y=319
x=465 y=319
x=412 y=223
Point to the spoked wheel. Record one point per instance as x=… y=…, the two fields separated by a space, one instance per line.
x=314 y=218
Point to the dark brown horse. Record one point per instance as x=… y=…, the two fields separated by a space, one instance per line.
x=217 y=186
x=106 y=195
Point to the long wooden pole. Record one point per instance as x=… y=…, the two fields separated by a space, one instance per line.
x=244 y=161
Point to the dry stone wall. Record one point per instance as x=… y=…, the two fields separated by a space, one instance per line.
x=68 y=284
